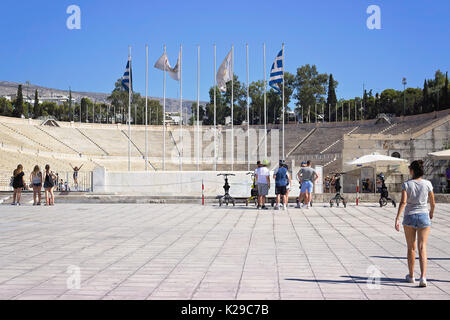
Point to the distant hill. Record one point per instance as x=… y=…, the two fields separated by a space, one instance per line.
x=10 y=88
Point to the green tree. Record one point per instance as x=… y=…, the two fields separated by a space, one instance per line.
x=49 y=108
x=331 y=99
x=445 y=97
x=425 y=97
x=86 y=107
x=119 y=100
x=37 y=111
x=70 y=105
x=310 y=85
x=6 y=108
x=201 y=114
x=18 y=103
x=256 y=93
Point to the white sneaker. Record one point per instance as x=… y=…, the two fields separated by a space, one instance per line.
x=284 y=207
x=276 y=208
x=410 y=279
x=304 y=206
x=423 y=282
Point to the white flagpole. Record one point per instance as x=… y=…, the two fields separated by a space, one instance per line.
x=248 y=116
x=265 y=102
x=198 y=108
x=215 y=123
x=181 y=107
x=129 y=110
x=146 y=107
x=164 y=114
x=232 y=108
x=349 y=112
x=283 y=108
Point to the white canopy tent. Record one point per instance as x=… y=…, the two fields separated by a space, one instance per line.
x=440 y=155
x=375 y=160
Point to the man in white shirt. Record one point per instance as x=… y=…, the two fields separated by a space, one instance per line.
x=262 y=175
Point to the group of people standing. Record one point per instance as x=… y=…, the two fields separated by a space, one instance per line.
x=307 y=176
x=417 y=193
x=38 y=179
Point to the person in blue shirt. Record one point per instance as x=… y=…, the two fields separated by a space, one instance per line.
x=282 y=180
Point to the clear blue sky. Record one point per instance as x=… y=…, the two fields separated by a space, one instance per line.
x=37 y=46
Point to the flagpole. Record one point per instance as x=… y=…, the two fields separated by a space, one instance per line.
x=265 y=102
x=232 y=107
x=181 y=108
x=164 y=114
x=146 y=107
x=248 y=116
x=284 y=154
x=215 y=121
x=129 y=110
x=198 y=108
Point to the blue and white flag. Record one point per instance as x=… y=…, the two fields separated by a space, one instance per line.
x=127 y=76
x=276 y=72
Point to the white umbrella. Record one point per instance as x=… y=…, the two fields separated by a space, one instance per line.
x=374 y=160
x=440 y=155
x=378 y=159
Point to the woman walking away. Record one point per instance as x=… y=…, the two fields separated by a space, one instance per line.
x=18 y=184
x=417 y=219
x=36 y=183
x=49 y=183
x=75 y=175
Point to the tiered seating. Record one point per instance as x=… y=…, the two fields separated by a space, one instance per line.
x=75 y=139
x=112 y=141
x=29 y=142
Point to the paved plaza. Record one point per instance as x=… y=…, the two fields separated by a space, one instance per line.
x=161 y=251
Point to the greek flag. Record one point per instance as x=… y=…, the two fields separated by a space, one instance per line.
x=127 y=76
x=276 y=72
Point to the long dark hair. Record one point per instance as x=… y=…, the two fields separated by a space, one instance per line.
x=417 y=168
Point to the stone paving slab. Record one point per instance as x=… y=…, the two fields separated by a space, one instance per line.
x=173 y=251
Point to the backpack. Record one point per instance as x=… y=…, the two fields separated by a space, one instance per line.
x=11 y=182
x=281 y=178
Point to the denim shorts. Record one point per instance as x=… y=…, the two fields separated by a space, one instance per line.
x=417 y=221
x=307 y=185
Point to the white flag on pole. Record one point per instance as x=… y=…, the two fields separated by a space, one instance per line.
x=224 y=74
x=174 y=73
x=163 y=64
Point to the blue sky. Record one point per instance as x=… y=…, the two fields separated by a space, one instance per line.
x=37 y=46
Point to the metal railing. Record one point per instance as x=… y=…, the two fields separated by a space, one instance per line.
x=65 y=181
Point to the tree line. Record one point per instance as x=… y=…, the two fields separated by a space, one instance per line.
x=313 y=94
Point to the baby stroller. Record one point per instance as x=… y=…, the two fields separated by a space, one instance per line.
x=253 y=191
x=384 y=193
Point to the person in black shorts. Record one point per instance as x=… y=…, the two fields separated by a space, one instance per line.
x=18 y=184
x=49 y=183
x=281 y=178
x=75 y=175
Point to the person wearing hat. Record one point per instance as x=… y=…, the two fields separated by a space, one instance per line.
x=262 y=177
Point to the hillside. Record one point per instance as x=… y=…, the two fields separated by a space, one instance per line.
x=10 y=88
